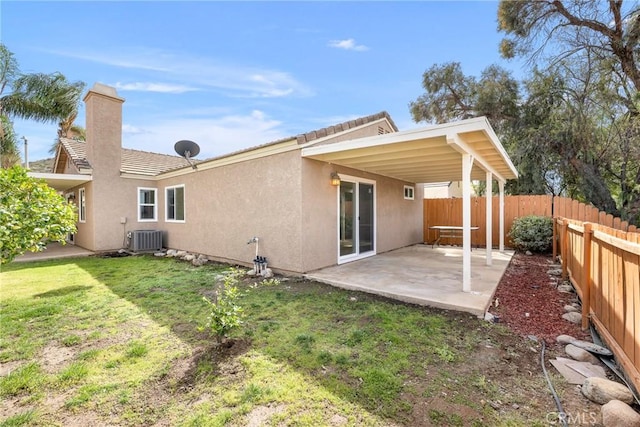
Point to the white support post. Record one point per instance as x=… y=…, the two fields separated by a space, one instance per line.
x=467 y=161
x=489 y=219
x=501 y=210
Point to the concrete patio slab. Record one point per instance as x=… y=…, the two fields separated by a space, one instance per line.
x=422 y=275
x=53 y=251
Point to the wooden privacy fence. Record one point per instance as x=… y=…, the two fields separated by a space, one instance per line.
x=603 y=265
x=564 y=207
x=449 y=212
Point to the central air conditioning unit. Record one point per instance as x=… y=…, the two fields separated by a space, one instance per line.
x=145 y=240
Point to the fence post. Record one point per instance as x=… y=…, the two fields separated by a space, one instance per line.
x=586 y=275
x=564 y=240
x=555 y=236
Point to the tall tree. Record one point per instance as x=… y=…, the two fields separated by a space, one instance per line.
x=555 y=30
x=37 y=96
x=451 y=95
x=594 y=49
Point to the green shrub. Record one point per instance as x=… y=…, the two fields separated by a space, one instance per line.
x=225 y=314
x=532 y=233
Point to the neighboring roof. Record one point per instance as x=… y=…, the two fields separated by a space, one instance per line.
x=432 y=154
x=146 y=163
x=77 y=151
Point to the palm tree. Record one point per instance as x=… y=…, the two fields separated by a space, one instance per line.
x=9 y=153
x=37 y=96
x=67 y=129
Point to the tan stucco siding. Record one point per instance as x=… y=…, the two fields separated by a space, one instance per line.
x=228 y=205
x=85 y=236
x=398 y=221
x=320 y=215
x=118 y=199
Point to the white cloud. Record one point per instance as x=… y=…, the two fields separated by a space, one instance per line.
x=153 y=87
x=215 y=136
x=347 y=44
x=201 y=73
x=128 y=129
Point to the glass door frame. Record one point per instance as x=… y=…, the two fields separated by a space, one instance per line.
x=356 y=226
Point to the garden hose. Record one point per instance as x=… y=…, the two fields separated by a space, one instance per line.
x=561 y=414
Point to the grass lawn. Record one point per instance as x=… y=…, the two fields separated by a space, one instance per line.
x=115 y=341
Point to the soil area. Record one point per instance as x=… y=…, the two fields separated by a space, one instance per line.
x=528 y=302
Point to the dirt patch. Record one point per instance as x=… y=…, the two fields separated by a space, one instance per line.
x=7 y=367
x=261 y=414
x=54 y=357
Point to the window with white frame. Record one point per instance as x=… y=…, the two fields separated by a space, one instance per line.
x=174 y=199
x=408 y=192
x=82 y=205
x=147 y=204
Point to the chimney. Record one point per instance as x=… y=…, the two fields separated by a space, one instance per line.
x=104 y=130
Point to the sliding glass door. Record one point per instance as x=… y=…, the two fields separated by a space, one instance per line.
x=356 y=219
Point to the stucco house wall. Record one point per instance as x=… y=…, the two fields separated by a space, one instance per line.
x=398 y=221
x=270 y=192
x=228 y=205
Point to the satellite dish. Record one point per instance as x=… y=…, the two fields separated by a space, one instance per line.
x=187 y=149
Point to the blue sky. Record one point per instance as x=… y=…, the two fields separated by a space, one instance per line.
x=231 y=75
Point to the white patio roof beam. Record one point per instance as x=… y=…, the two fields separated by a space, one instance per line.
x=459 y=145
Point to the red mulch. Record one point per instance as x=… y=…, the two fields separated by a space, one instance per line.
x=529 y=301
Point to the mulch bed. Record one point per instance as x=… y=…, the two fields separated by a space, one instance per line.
x=528 y=302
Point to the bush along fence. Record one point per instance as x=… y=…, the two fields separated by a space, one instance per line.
x=449 y=212
x=603 y=264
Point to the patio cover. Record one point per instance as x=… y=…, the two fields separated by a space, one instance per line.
x=458 y=151
x=62 y=181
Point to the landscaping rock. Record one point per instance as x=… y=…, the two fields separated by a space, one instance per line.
x=189 y=257
x=171 y=253
x=565 y=288
x=528 y=253
x=197 y=262
x=555 y=272
x=203 y=257
x=573 y=317
x=267 y=273
x=602 y=391
x=570 y=308
x=577 y=353
x=565 y=339
x=251 y=272
x=180 y=254
x=618 y=414
x=158 y=254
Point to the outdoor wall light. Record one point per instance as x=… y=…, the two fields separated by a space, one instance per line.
x=335 y=179
x=71 y=197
